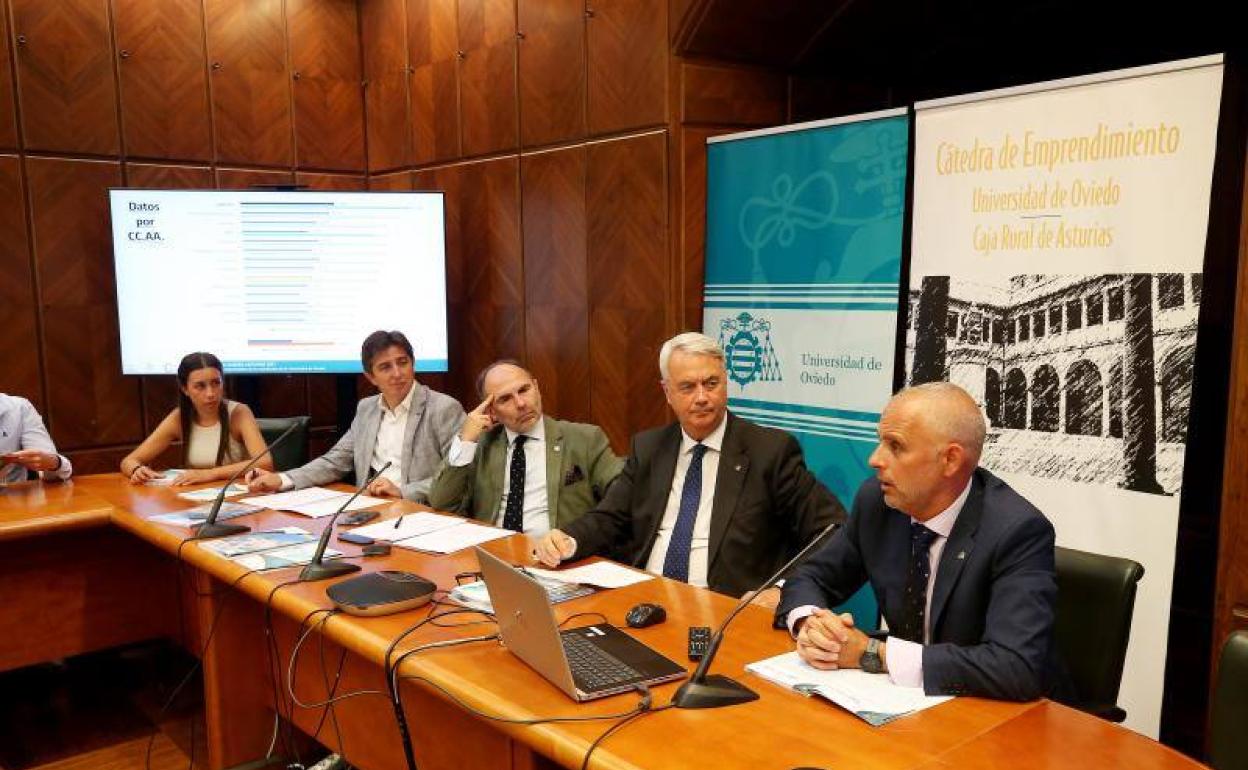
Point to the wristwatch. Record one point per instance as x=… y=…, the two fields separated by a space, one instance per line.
x=870 y=660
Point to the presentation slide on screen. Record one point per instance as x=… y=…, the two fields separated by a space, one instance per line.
x=280 y=282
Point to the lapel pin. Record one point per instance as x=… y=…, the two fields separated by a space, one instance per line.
x=961 y=554
x=557 y=447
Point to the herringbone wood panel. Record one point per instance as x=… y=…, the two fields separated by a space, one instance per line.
x=160 y=393
x=691 y=263
x=90 y=402
x=164 y=81
x=250 y=82
x=444 y=180
x=331 y=181
x=627 y=64
x=383 y=24
x=552 y=70
x=556 y=279
x=247 y=178
x=626 y=182
x=8 y=107
x=65 y=75
x=329 y=100
x=432 y=44
x=487 y=76
x=19 y=375
x=399 y=180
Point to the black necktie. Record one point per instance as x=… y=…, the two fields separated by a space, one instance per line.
x=513 y=516
x=914 y=603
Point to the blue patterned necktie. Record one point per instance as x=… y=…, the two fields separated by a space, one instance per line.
x=513 y=514
x=676 y=562
x=914 y=603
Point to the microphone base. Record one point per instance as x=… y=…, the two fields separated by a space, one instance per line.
x=712 y=692
x=209 y=531
x=327 y=569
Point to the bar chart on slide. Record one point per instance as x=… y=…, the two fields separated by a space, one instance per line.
x=277 y=281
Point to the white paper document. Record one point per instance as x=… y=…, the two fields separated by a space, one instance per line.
x=603 y=574
x=871 y=697
x=452 y=539
x=287 y=556
x=314 y=502
x=165 y=478
x=210 y=493
x=408 y=525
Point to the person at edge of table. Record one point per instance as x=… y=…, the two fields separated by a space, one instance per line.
x=25 y=444
x=560 y=470
x=219 y=436
x=407 y=425
x=713 y=499
x=961 y=564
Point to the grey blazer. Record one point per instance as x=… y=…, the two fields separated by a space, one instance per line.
x=433 y=421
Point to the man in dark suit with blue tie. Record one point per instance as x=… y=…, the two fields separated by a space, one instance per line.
x=712 y=499
x=961 y=564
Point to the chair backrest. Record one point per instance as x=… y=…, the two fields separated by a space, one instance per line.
x=1230 y=706
x=1095 y=602
x=293 y=452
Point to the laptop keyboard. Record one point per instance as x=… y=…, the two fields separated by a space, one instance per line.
x=594 y=669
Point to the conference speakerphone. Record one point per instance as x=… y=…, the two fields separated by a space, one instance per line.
x=381 y=593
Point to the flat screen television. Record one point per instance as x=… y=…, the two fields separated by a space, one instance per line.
x=274 y=281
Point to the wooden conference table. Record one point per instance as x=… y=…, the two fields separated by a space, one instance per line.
x=81 y=568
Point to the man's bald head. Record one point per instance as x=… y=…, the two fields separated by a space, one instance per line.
x=517 y=402
x=949 y=413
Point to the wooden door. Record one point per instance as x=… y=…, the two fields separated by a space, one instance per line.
x=328 y=91
x=552 y=70
x=383 y=37
x=65 y=76
x=432 y=41
x=627 y=49
x=626 y=207
x=487 y=76
x=164 y=79
x=90 y=403
x=250 y=82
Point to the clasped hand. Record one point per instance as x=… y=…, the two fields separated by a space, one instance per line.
x=830 y=641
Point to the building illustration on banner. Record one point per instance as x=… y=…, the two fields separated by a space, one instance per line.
x=1085 y=378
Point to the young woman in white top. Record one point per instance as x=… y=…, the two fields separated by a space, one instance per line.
x=218 y=436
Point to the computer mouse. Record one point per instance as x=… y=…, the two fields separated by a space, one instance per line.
x=645 y=615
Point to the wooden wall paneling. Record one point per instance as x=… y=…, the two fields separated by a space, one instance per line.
x=487 y=76
x=727 y=95
x=382 y=24
x=400 y=180
x=551 y=70
x=626 y=207
x=247 y=178
x=160 y=393
x=164 y=79
x=8 y=105
x=691 y=249
x=328 y=95
x=556 y=279
x=627 y=55
x=250 y=82
x=65 y=76
x=19 y=376
x=90 y=402
x=331 y=181
x=445 y=179
x=433 y=43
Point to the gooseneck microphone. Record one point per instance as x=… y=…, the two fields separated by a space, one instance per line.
x=318 y=568
x=210 y=528
x=704 y=691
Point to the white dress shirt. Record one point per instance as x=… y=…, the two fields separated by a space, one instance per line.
x=21 y=427
x=536 y=509
x=905 y=658
x=699 y=548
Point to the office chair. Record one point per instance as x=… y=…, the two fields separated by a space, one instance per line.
x=1095 y=601
x=1229 y=749
x=293 y=452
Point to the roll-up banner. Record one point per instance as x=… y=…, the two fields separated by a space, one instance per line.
x=803 y=256
x=1057 y=248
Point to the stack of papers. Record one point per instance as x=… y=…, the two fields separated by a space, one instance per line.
x=432 y=532
x=268 y=549
x=165 y=478
x=195 y=516
x=474 y=596
x=871 y=697
x=313 y=502
x=210 y=493
x=603 y=574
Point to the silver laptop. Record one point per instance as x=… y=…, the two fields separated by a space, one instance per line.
x=587 y=662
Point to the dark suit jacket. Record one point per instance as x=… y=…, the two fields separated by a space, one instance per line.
x=767 y=505
x=993 y=600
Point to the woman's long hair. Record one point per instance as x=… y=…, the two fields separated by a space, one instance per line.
x=186 y=410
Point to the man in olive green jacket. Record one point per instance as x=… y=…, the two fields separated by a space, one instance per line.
x=559 y=472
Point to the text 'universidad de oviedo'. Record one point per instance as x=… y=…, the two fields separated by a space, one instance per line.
x=1037 y=151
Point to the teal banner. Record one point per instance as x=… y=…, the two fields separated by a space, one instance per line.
x=803 y=260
